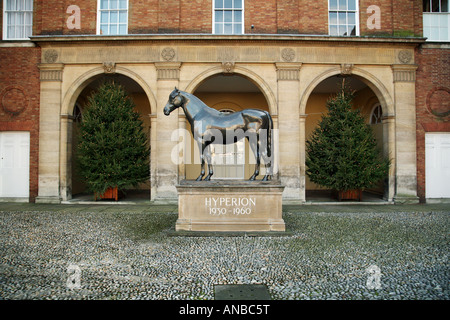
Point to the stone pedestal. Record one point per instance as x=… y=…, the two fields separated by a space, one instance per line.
x=230 y=206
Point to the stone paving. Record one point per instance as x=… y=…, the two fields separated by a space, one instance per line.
x=130 y=251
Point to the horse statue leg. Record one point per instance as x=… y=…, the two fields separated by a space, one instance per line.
x=209 y=162
x=254 y=145
x=201 y=147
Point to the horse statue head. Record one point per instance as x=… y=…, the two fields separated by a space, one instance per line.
x=176 y=100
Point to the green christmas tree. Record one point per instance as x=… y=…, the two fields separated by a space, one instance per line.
x=113 y=149
x=342 y=152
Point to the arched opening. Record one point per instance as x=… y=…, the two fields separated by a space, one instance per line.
x=370 y=105
x=141 y=101
x=228 y=93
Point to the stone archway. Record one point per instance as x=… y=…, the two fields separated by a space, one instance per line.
x=232 y=92
x=374 y=92
x=75 y=99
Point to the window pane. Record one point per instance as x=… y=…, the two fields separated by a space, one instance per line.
x=342 y=18
x=351 y=5
x=28 y=18
x=104 y=29
x=333 y=30
x=333 y=18
x=435 y=5
x=104 y=17
x=218 y=4
x=237 y=28
x=113 y=4
x=123 y=29
x=28 y=31
x=219 y=16
x=219 y=28
x=123 y=16
x=10 y=4
x=11 y=32
x=238 y=4
x=228 y=16
x=444 y=5
x=104 y=4
x=113 y=29
x=19 y=5
x=342 y=30
x=342 y=4
x=29 y=5
x=122 y=4
x=228 y=4
x=228 y=29
x=114 y=17
x=238 y=16
x=351 y=16
x=352 y=30
x=333 y=4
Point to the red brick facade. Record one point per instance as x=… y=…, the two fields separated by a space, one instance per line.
x=195 y=16
x=19 y=99
x=432 y=101
x=19 y=73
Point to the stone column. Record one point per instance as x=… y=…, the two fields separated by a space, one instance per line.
x=289 y=134
x=405 y=133
x=66 y=157
x=153 y=155
x=49 y=133
x=166 y=170
x=302 y=180
x=389 y=151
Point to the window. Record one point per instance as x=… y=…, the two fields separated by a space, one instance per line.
x=343 y=18
x=377 y=114
x=228 y=17
x=436 y=20
x=17 y=19
x=112 y=17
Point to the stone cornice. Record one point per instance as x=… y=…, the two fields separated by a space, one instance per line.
x=225 y=38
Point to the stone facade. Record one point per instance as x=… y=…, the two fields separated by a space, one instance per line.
x=285 y=53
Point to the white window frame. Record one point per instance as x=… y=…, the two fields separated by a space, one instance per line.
x=232 y=9
x=437 y=23
x=99 y=12
x=356 y=11
x=5 y=22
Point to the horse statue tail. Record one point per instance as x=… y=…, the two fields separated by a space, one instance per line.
x=269 y=135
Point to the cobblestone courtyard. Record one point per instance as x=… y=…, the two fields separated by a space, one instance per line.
x=130 y=252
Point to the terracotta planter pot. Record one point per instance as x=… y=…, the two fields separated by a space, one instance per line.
x=110 y=193
x=350 y=195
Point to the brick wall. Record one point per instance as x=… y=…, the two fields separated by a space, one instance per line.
x=19 y=100
x=432 y=101
x=398 y=18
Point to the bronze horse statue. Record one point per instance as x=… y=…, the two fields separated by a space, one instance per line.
x=210 y=126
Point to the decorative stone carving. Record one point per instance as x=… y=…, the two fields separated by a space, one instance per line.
x=109 y=67
x=50 y=56
x=168 y=70
x=404 y=73
x=347 y=69
x=288 y=54
x=438 y=102
x=288 y=71
x=168 y=54
x=14 y=100
x=405 y=56
x=228 y=66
